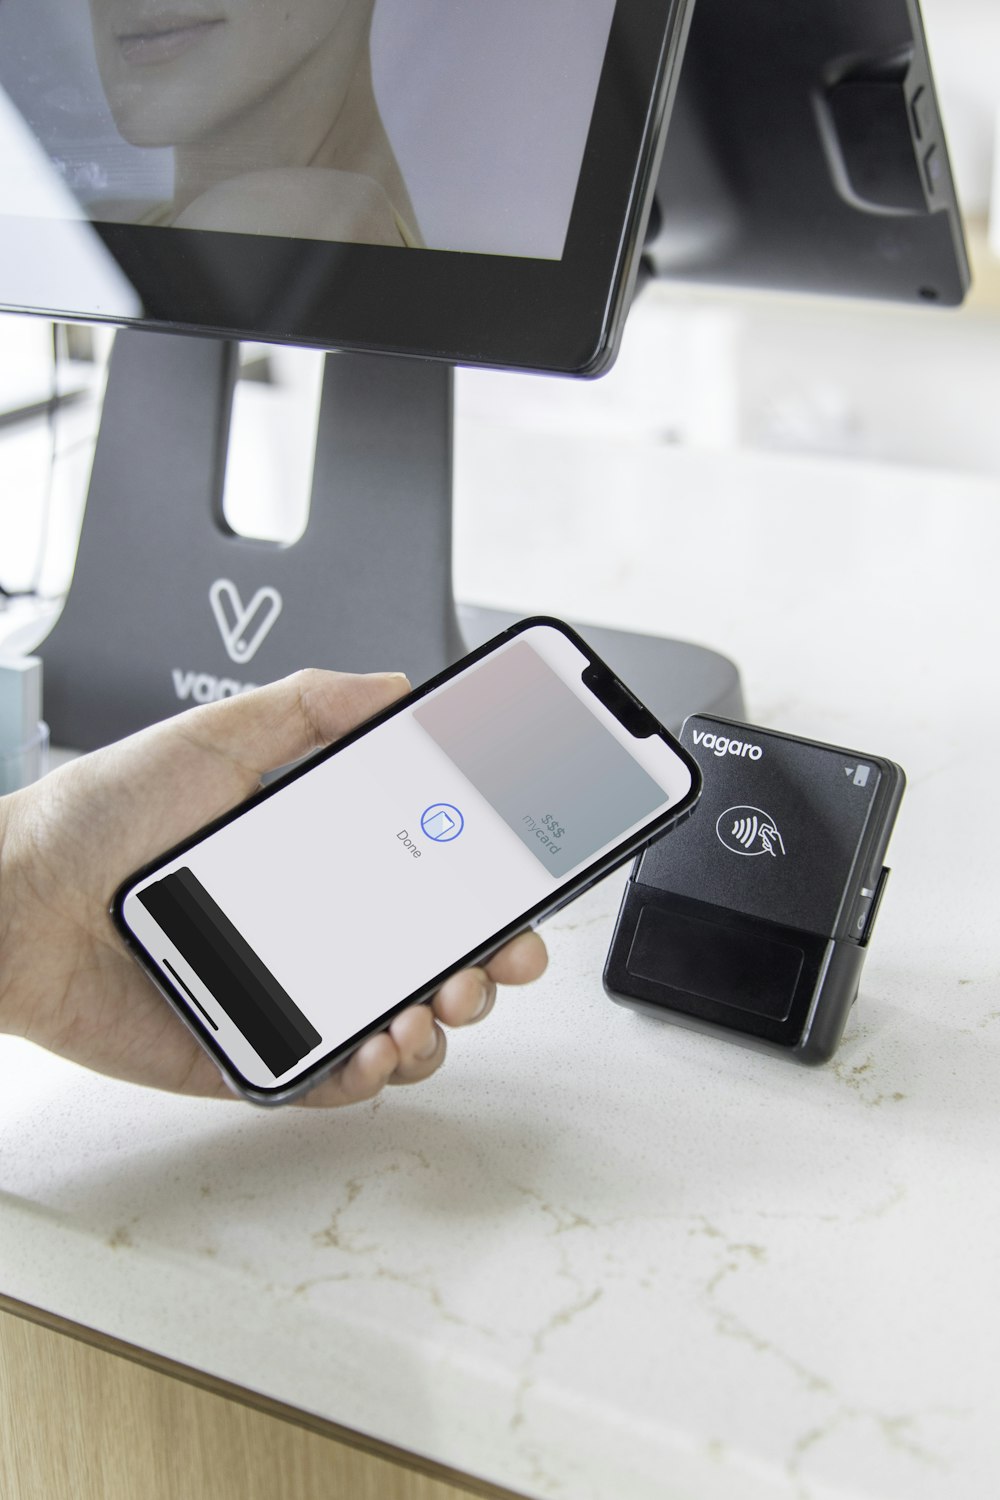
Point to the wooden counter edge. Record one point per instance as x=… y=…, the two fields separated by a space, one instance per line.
x=453 y=1484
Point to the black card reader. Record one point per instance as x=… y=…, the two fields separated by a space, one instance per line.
x=752 y=919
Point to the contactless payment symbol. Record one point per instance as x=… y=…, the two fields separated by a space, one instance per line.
x=441 y=823
x=749 y=831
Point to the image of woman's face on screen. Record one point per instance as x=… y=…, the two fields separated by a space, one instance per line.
x=177 y=72
x=270 y=112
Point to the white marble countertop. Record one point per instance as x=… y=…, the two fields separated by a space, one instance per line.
x=599 y=1257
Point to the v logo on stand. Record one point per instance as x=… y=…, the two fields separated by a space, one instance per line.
x=243 y=627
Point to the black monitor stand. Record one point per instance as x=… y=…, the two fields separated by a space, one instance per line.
x=169 y=607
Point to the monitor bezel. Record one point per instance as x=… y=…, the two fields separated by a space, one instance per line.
x=558 y=316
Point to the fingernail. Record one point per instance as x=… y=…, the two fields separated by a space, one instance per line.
x=484 y=1000
x=426 y=1053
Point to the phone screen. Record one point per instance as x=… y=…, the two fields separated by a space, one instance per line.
x=307 y=919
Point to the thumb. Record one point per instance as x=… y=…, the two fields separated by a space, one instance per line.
x=160 y=785
x=112 y=810
x=272 y=726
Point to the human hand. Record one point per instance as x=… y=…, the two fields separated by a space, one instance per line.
x=66 y=843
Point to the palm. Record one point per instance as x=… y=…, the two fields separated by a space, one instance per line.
x=103 y=818
x=74 y=838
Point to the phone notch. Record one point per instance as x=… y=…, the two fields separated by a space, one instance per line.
x=616 y=698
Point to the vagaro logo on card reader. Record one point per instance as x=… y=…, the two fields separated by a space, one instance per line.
x=721 y=745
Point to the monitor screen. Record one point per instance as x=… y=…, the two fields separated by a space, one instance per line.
x=416 y=176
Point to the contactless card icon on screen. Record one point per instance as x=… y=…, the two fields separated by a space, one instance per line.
x=442 y=822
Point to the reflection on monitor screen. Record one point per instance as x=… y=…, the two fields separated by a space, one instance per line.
x=406 y=123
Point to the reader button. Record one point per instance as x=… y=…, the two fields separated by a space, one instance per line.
x=861 y=915
x=866 y=907
x=933 y=169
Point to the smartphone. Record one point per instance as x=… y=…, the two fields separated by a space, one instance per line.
x=291 y=929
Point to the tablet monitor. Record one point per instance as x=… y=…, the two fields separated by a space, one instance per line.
x=421 y=177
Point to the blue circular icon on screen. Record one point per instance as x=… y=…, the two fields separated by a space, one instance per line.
x=442 y=823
